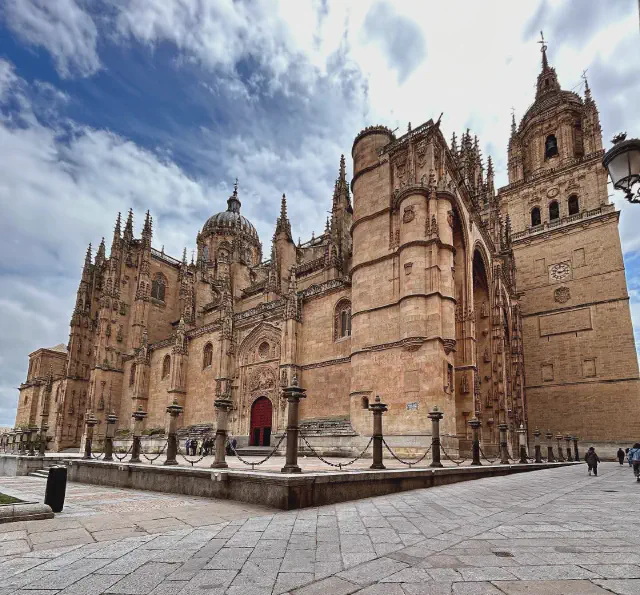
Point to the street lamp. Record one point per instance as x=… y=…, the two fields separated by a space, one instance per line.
x=623 y=164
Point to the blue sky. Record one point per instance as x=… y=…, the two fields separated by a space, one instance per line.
x=160 y=104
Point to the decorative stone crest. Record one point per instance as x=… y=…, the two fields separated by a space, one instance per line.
x=449 y=345
x=562 y=295
x=409 y=214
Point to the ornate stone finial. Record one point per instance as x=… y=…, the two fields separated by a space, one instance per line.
x=128 y=227
x=377 y=398
x=409 y=127
x=184 y=255
x=283 y=225
x=233 y=202
x=87 y=258
x=615 y=140
x=513 y=121
x=327 y=227
x=294 y=380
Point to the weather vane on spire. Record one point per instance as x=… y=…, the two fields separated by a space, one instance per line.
x=542 y=42
x=235 y=186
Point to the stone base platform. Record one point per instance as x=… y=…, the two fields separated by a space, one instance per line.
x=279 y=490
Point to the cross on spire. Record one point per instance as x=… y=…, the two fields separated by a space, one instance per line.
x=543 y=49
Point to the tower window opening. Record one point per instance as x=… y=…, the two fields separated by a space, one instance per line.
x=550 y=147
x=574 y=205
x=207 y=356
x=535 y=217
x=554 y=211
x=158 y=287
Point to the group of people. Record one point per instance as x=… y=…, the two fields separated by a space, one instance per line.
x=633 y=458
x=207 y=447
x=631 y=454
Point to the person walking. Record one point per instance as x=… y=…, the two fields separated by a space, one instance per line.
x=620 y=456
x=194 y=447
x=634 y=460
x=187 y=446
x=592 y=460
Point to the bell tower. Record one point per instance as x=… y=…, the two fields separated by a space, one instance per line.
x=580 y=357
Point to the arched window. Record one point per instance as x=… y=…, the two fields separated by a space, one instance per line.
x=205 y=254
x=550 y=147
x=342 y=320
x=207 y=356
x=158 y=287
x=166 y=365
x=574 y=205
x=365 y=403
x=554 y=210
x=132 y=374
x=535 y=217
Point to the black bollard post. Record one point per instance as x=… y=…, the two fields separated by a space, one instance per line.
x=91 y=422
x=560 y=454
x=377 y=409
x=522 y=440
x=222 y=406
x=568 y=441
x=504 y=450
x=536 y=445
x=550 y=456
x=474 y=422
x=174 y=410
x=435 y=415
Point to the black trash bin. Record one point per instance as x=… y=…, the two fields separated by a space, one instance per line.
x=56 y=488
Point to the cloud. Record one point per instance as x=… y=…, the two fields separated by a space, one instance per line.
x=400 y=38
x=61 y=27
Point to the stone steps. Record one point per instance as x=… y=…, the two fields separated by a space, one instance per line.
x=327 y=427
x=41 y=473
x=256 y=451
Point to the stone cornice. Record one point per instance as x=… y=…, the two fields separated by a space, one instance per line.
x=329 y=362
x=365 y=170
x=409 y=343
x=402 y=299
x=368 y=217
x=322 y=289
x=575 y=306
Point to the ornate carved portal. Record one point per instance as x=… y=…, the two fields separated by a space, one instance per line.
x=261 y=422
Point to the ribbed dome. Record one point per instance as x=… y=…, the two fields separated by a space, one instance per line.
x=230 y=220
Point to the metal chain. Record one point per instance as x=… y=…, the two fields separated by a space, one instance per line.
x=339 y=465
x=124 y=456
x=151 y=459
x=458 y=463
x=409 y=463
x=484 y=456
x=192 y=463
x=98 y=457
x=253 y=465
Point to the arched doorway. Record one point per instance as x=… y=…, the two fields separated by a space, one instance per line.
x=261 y=412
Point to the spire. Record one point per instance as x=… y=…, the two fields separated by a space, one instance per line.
x=489 y=167
x=128 y=228
x=513 y=123
x=233 y=202
x=343 y=170
x=184 y=255
x=587 y=90
x=547 y=79
x=454 y=145
x=543 y=49
x=87 y=258
x=327 y=227
x=341 y=188
x=101 y=253
x=147 y=229
x=283 y=225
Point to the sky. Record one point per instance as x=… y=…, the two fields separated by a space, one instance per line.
x=161 y=104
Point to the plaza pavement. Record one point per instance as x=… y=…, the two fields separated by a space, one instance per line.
x=553 y=531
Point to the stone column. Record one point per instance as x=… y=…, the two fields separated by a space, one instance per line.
x=110 y=433
x=550 y=457
x=43 y=439
x=138 y=417
x=576 y=456
x=91 y=422
x=19 y=437
x=475 y=447
x=33 y=430
x=435 y=415
x=223 y=406
x=536 y=445
x=568 y=441
x=293 y=394
x=174 y=410
x=377 y=409
x=522 y=441
x=559 y=441
x=504 y=449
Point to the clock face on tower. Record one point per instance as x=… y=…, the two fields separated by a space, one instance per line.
x=560 y=271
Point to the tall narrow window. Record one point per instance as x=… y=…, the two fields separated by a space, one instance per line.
x=554 y=211
x=158 y=287
x=535 y=217
x=550 y=147
x=574 y=205
x=132 y=375
x=207 y=355
x=342 y=320
x=166 y=365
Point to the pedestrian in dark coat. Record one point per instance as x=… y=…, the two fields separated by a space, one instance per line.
x=620 y=456
x=194 y=447
x=592 y=460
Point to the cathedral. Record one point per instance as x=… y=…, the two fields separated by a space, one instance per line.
x=428 y=287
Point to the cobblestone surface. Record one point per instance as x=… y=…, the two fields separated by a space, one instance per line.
x=555 y=531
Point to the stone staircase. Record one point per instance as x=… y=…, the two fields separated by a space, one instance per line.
x=41 y=473
x=256 y=451
x=327 y=426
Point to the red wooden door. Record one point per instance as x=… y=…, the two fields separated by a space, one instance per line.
x=260 y=433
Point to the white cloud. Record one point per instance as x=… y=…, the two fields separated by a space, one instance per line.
x=62 y=27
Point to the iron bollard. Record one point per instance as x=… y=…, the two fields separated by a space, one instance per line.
x=575 y=449
x=536 y=446
x=377 y=409
x=138 y=417
x=223 y=406
x=56 y=487
x=568 y=441
x=91 y=422
x=435 y=415
x=550 y=456
x=560 y=454
x=504 y=451
x=474 y=422
x=522 y=440
x=174 y=410
x=293 y=394
x=42 y=449
x=109 y=435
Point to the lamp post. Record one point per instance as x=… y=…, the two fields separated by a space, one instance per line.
x=623 y=164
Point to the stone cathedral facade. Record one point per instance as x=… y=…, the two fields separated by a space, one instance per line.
x=428 y=287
